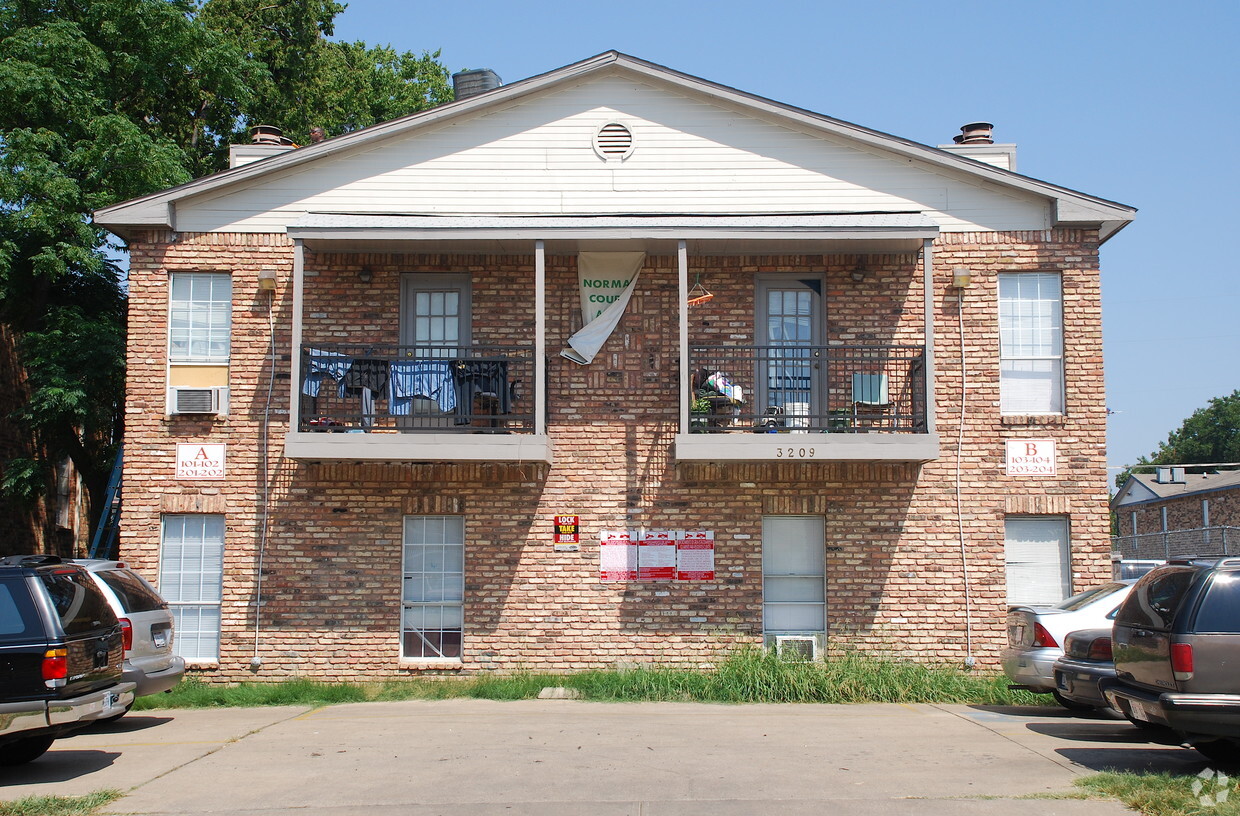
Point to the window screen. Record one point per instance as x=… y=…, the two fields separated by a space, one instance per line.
x=200 y=317
x=793 y=575
x=191 y=570
x=1035 y=552
x=1031 y=344
x=434 y=587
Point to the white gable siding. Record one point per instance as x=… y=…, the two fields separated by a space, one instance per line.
x=536 y=157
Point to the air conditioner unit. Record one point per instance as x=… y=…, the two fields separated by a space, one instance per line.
x=797 y=647
x=212 y=400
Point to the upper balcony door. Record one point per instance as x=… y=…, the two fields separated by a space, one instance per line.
x=789 y=322
x=435 y=312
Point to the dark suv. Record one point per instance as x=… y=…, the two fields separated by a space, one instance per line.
x=1177 y=654
x=60 y=655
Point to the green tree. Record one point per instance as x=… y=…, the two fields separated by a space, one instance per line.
x=1210 y=435
x=107 y=100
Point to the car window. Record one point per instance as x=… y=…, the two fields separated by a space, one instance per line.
x=81 y=607
x=1087 y=597
x=18 y=619
x=1156 y=598
x=1220 y=609
x=131 y=591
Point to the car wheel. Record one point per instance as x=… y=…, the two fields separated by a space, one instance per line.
x=25 y=750
x=1221 y=752
x=1071 y=705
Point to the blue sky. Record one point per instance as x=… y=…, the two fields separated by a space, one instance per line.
x=1137 y=102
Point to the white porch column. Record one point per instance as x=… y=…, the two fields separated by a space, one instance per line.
x=299 y=288
x=927 y=277
x=682 y=302
x=540 y=338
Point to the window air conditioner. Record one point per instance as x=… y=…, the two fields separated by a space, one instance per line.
x=182 y=400
x=797 y=647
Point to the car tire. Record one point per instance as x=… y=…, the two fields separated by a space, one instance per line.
x=1071 y=705
x=24 y=750
x=1225 y=752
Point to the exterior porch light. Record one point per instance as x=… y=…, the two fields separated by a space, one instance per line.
x=859 y=272
x=365 y=274
x=961 y=278
x=267 y=280
x=698 y=293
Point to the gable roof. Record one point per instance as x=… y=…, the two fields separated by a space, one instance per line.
x=1070 y=208
x=1140 y=488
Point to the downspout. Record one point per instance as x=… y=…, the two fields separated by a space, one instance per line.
x=682 y=304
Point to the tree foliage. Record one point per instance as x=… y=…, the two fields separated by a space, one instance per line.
x=1210 y=436
x=107 y=100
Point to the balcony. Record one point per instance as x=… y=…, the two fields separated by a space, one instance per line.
x=371 y=402
x=802 y=402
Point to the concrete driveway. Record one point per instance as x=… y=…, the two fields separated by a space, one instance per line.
x=552 y=757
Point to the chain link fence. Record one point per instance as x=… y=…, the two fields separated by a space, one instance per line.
x=1203 y=541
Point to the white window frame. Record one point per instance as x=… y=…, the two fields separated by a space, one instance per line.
x=206 y=317
x=1037 y=558
x=432 y=593
x=191 y=581
x=1031 y=343
x=814 y=528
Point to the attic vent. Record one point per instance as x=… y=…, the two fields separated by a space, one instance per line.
x=613 y=141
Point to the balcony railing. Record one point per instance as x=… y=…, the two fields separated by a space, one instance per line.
x=797 y=388
x=1163 y=546
x=410 y=389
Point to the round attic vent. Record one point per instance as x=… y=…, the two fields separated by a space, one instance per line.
x=613 y=141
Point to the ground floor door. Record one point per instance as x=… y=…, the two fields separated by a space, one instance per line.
x=794 y=584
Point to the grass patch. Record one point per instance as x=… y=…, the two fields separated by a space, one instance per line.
x=746 y=676
x=59 y=805
x=1164 y=794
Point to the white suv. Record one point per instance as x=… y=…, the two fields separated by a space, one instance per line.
x=147 y=626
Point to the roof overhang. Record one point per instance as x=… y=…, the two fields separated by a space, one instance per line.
x=895 y=233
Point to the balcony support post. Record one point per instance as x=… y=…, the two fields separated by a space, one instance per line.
x=540 y=338
x=927 y=277
x=682 y=302
x=299 y=287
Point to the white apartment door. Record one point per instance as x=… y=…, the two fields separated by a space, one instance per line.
x=794 y=580
x=789 y=325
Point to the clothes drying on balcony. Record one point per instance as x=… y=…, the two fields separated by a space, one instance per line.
x=417 y=378
x=480 y=378
x=323 y=365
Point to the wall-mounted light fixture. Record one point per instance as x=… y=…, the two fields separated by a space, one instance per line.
x=267 y=279
x=859 y=271
x=961 y=278
x=366 y=274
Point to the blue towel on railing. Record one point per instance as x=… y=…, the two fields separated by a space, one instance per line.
x=321 y=365
x=419 y=378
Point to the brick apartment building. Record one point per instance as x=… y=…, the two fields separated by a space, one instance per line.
x=1173 y=513
x=612 y=365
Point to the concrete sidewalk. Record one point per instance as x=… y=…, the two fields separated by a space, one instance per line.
x=565 y=757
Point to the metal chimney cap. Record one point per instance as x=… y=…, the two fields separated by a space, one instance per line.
x=975 y=133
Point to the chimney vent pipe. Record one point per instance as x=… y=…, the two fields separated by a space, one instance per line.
x=975 y=133
x=471 y=83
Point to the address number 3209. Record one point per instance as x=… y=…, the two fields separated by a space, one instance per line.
x=794 y=453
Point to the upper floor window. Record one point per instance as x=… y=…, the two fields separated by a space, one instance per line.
x=200 y=317
x=1031 y=343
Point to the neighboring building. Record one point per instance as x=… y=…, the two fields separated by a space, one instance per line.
x=1173 y=513
x=853 y=392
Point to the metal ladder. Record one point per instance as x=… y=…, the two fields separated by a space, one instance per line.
x=103 y=545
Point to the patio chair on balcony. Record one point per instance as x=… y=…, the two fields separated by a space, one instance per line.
x=871 y=405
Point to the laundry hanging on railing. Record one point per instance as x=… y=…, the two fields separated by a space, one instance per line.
x=420 y=378
x=607 y=281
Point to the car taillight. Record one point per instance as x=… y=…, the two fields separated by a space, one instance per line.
x=1100 y=649
x=127 y=633
x=55 y=667
x=1042 y=638
x=1182 y=661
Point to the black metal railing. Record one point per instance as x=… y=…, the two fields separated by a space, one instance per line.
x=429 y=388
x=831 y=389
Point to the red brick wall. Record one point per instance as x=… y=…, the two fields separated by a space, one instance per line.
x=332 y=564
x=1183 y=513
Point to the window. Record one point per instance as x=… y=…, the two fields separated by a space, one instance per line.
x=434 y=587
x=435 y=312
x=191 y=569
x=200 y=318
x=1035 y=551
x=1031 y=344
x=794 y=578
x=80 y=606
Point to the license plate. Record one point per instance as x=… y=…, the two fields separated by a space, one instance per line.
x=1061 y=680
x=160 y=639
x=1139 y=711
